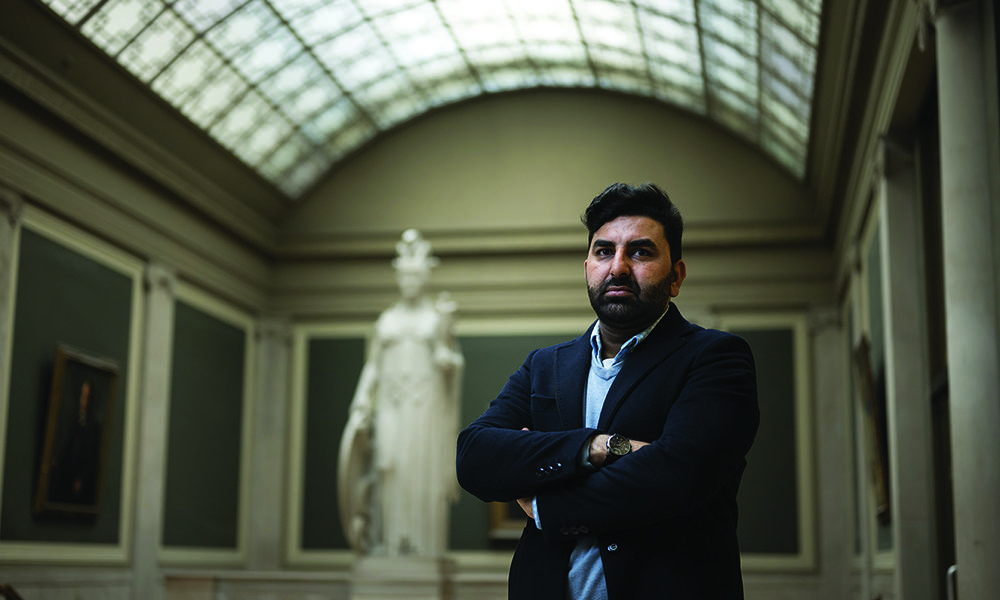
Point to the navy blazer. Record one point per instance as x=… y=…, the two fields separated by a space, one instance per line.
x=664 y=516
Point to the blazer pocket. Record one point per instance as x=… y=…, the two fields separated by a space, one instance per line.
x=544 y=413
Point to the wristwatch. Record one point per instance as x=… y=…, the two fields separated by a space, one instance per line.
x=618 y=446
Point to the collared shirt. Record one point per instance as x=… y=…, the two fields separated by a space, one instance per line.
x=586 y=571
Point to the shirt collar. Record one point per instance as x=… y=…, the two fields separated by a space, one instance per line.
x=627 y=347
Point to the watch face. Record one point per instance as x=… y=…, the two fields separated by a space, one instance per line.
x=619 y=445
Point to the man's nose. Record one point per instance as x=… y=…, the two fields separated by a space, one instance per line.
x=620 y=265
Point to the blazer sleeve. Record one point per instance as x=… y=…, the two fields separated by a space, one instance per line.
x=497 y=461
x=700 y=452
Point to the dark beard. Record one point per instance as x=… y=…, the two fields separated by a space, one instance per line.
x=636 y=312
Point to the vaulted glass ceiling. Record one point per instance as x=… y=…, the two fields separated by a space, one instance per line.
x=291 y=86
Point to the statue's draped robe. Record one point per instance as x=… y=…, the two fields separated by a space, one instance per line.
x=415 y=426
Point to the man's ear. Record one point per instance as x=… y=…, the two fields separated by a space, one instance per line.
x=677 y=274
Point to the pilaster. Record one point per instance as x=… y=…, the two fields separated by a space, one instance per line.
x=11 y=207
x=965 y=42
x=267 y=484
x=161 y=283
x=908 y=391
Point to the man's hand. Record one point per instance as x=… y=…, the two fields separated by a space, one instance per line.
x=525 y=504
x=599 y=448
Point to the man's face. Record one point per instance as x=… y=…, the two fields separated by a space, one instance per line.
x=630 y=277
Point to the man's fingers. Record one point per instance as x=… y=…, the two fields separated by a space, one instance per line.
x=525 y=504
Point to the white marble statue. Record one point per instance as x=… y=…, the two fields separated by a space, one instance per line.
x=396 y=475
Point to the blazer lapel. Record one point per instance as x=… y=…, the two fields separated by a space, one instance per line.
x=668 y=335
x=572 y=363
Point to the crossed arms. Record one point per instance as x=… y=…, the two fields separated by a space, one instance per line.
x=698 y=410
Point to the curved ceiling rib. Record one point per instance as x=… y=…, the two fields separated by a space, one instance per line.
x=291 y=86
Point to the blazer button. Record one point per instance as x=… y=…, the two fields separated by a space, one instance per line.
x=612 y=547
x=564 y=530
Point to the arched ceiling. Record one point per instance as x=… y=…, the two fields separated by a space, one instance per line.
x=292 y=86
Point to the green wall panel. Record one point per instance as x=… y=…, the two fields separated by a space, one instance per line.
x=489 y=361
x=768 y=496
x=62 y=297
x=204 y=451
x=334 y=367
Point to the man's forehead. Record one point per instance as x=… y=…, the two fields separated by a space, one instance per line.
x=630 y=230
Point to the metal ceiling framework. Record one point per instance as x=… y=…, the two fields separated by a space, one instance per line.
x=292 y=86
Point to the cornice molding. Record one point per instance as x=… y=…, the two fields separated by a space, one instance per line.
x=34 y=81
x=11 y=205
x=381 y=244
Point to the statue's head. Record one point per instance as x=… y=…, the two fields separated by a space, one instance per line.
x=413 y=263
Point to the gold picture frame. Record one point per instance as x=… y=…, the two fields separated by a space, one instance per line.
x=77 y=430
x=872 y=398
x=507 y=520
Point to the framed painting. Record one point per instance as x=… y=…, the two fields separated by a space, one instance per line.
x=873 y=406
x=507 y=520
x=77 y=428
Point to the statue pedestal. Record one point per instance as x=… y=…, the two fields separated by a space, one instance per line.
x=401 y=578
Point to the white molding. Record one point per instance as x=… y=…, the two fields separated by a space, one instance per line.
x=34 y=80
x=806 y=558
x=222 y=310
x=101 y=252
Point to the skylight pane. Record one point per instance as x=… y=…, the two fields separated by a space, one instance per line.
x=722 y=55
x=325 y=20
x=155 y=47
x=72 y=10
x=347 y=138
x=216 y=94
x=488 y=58
x=671 y=74
x=119 y=21
x=293 y=79
x=330 y=120
x=668 y=31
x=736 y=113
x=285 y=155
x=264 y=137
x=241 y=120
x=782 y=115
x=186 y=77
x=560 y=54
x=788 y=57
x=357 y=57
x=477 y=28
x=385 y=90
x=567 y=76
x=378 y=9
x=796 y=16
x=625 y=81
x=777 y=90
x=734 y=21
x=604 y=23
x=203 y=15
x=239 y=35
x=538 y=21
x=680 y=10
x=693 y=101
x=303 y=174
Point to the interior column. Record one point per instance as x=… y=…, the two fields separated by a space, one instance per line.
x=967 y=78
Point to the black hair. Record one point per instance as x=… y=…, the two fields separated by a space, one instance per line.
x=644 y=200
